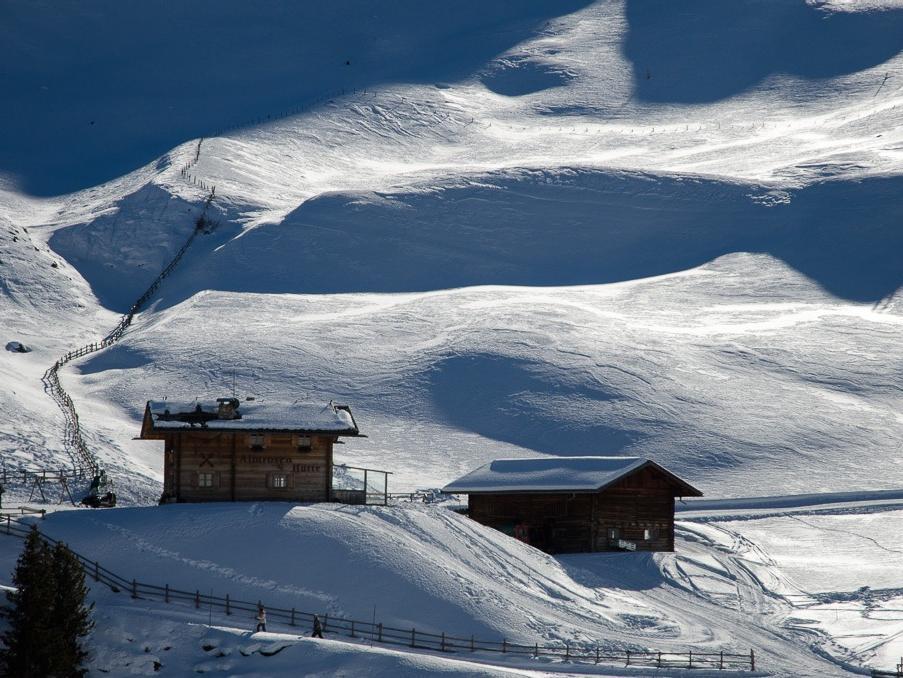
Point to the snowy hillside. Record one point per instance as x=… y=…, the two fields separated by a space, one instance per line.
x=734 y=583
x=748 y=217
x=717 y=593
x=492 y=229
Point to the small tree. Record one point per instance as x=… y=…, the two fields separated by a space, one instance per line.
x=71 y=616
x=30 y=631
x=49 y=618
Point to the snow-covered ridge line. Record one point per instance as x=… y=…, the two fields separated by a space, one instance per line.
x=375 y=632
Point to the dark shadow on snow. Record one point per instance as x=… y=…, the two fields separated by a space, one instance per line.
x=626 y=571
x=520 y=402
x=118 y=357
x=564 y=229
x=706 y=50
x=517 y=77
x=121 y=252
x=96 y=90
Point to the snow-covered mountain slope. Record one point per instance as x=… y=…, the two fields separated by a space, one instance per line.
x=493 y=229
x=514 y=233
x=457 y=576
x=730 y=585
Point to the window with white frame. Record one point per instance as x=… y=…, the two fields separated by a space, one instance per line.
x=279 y=481
x=303 y=442
x=650 y=533
x=256 y=441
x=205 y=480
x=614 y=533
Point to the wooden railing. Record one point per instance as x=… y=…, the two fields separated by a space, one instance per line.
x=370 y=631
x=367 y=493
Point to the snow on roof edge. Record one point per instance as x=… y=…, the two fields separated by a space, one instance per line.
x=554 y=474
x=256 y=416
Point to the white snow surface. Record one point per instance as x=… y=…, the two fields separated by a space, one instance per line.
x=545 y=474
x=494 y=230
x=283 y=416
x=731 y=584
x=555 y=238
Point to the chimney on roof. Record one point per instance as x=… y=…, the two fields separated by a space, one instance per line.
x=227 y=408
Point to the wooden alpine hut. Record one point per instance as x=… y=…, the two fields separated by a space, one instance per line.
x=229 y=450
x=577 y=504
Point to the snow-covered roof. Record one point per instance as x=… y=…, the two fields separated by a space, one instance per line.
x=255 y=416
x=554 y=474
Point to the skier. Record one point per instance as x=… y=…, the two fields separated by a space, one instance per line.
x=261 y=618
x=318 y=628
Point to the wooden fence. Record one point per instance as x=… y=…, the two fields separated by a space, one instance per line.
x=25 y=476
x=373 y=632
x=84 y=462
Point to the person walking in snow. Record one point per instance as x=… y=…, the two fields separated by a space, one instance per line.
x=261 y=618
x=318 y=628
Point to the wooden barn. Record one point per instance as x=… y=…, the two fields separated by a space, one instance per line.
x=577 y=504
x=228 y=450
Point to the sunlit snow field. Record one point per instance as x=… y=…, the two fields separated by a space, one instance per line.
x=492 y=229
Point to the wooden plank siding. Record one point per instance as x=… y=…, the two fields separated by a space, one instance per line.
x=639 y=508
x=239 y=470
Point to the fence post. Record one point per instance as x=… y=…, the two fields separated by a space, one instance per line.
x=325 y=621
x=227 y=604
x=442 y=643
x=752 y=660
x=660 y=660
x=8 y=525
x=628 y=658
x=504 y=645
x=597 y=654
x=413 y=636
x=134 y=589
x=379 y=638
x=567 y=651
x=691 y=659
x=166 y=593
x=292 y=622
x=96 y=571
x=721 y=661
x=536 y=650
x=197 y=599
x=471 y=644
x=352 y=629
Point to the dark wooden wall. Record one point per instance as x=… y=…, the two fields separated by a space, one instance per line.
x=558 y=523
x=580 y=522
x=640 y=502
x=242 y=473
